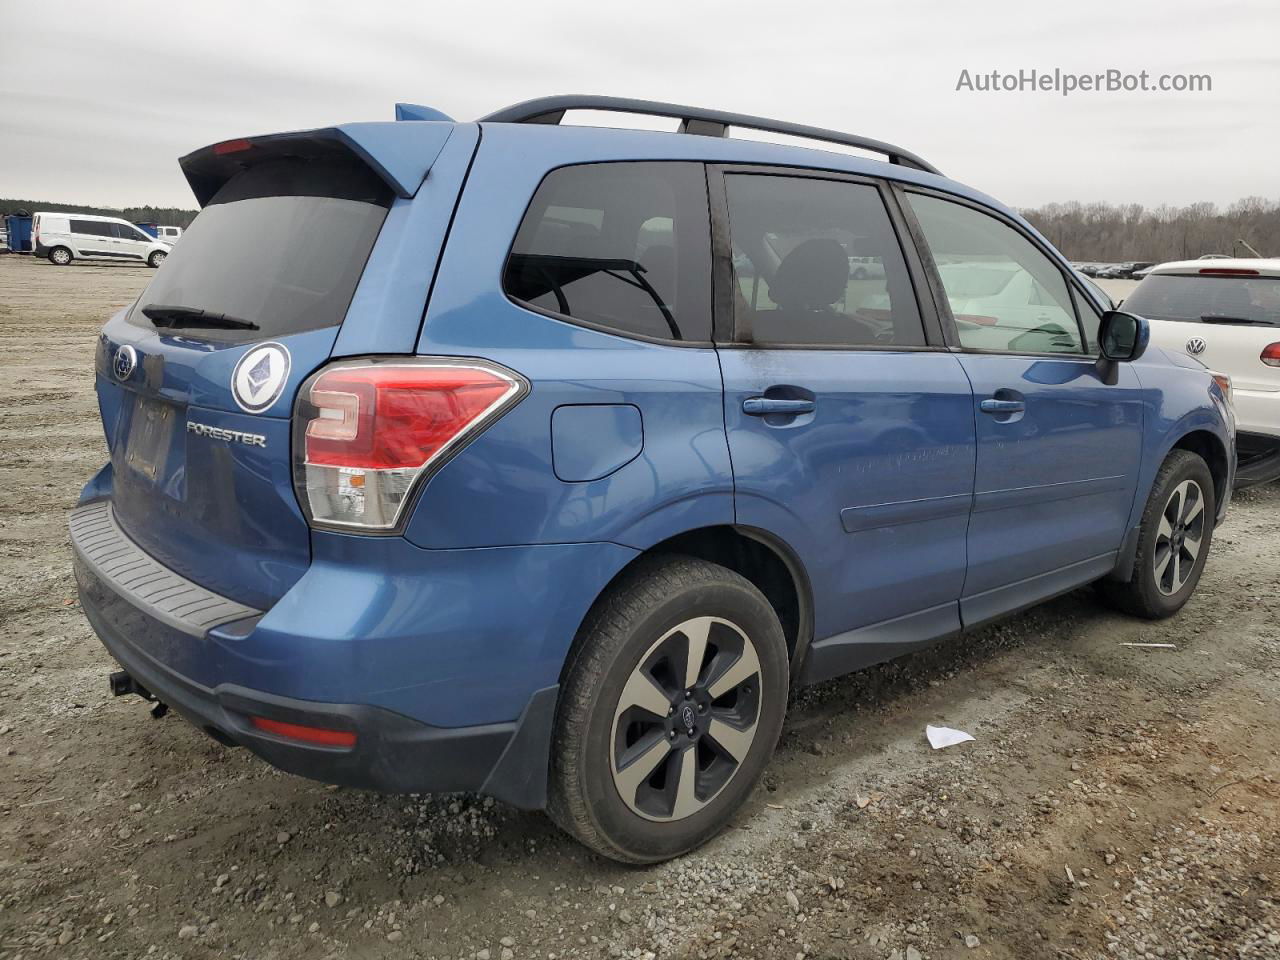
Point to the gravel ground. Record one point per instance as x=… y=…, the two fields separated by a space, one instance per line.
x=1118 y=801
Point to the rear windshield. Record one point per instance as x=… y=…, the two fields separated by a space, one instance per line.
x=1208 y=299
x=281 y=245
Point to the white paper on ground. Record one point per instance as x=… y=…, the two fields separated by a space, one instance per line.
x=940 y=737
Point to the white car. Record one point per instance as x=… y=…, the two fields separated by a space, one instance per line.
x=64 y=237
x=1226 y=314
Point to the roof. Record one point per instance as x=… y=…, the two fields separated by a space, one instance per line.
x=78 y=216
x=1266 y=267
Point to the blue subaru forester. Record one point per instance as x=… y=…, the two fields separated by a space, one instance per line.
x=545 y=460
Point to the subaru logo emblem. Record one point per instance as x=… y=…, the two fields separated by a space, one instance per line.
x=124 y=362
x=1196 y=346
x=259 y=377
x=688 y=717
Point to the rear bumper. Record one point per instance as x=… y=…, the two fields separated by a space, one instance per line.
x=444 y=689
x=392 y=753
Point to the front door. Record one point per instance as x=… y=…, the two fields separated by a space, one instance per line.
x=1058 y=448
x=850 y=430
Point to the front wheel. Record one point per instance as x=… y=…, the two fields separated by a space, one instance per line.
x=672 y=705
x=156 y=259
x=60 y=256
x=1173 y=540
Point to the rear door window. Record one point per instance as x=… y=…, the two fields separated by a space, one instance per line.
x=621 y=246
x=281 y=245
x=817 y=262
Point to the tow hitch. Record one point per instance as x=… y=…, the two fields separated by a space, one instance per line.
x=123 y=685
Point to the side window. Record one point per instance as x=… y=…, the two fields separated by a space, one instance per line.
x=817 y=262
x=91 y=228
x=625 y=246
x=125 y=232
x=1004 y=293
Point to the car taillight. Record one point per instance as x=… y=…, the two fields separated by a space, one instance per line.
x=1271 y=355
x=366 y=432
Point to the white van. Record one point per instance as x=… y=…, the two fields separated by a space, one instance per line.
x=63 y=237
x=169 y=235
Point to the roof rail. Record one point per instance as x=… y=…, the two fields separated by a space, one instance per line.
x=697 y=120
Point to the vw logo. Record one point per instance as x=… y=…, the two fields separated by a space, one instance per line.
x=124 y=362
x=1196 y=346
x=259 y=377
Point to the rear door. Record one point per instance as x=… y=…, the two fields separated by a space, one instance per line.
x=850 y=426
x=1058 y=448
x=93 y=239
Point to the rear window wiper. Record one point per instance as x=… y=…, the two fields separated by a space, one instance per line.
x=163 y=315
x=1217 y=318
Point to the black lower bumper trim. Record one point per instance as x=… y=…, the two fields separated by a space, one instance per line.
x=393 y=753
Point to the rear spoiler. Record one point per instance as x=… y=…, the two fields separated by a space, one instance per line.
x=400 y=154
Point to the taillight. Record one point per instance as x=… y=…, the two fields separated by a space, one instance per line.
x=1271 y=355
x=367 y=432
x=1228 y=272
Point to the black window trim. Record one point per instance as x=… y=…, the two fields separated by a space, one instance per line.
x=939 y=291
x=591 y=324
x=724 y=325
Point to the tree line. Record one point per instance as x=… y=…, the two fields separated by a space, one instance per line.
x=1111 y=233
x=169 y=216
x=1102 y=232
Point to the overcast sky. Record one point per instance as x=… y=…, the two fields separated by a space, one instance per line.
x=97 y=100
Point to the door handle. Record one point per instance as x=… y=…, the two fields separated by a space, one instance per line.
x=760 y=406
x=1002 y=406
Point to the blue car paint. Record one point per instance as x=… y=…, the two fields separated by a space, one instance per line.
x=386 y=311
x=1055 y=484
x=882 y=497
x=871 y=491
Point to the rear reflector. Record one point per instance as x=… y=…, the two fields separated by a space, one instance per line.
x=1228 y=272
x=231 y=146
x=367 y=432
x=319 y=736
x=1271 y=355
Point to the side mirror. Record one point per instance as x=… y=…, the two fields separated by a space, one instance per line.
x=1122 y=337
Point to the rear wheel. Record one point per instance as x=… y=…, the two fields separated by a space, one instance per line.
x=156 y=259
x=1173 y=542
x=60 y=256
x=671 y=708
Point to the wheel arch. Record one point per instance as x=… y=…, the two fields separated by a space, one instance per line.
x=1209 y=447
x=758 y=555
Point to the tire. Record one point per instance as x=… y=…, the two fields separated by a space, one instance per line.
x=60 y=256
x=1179 y=514
x=616 y=766
x=156 y=258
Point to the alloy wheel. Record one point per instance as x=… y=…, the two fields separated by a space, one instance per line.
x=1179 y=537
x=686 y=719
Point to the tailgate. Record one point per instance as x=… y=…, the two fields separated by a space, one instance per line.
x=196 y=381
